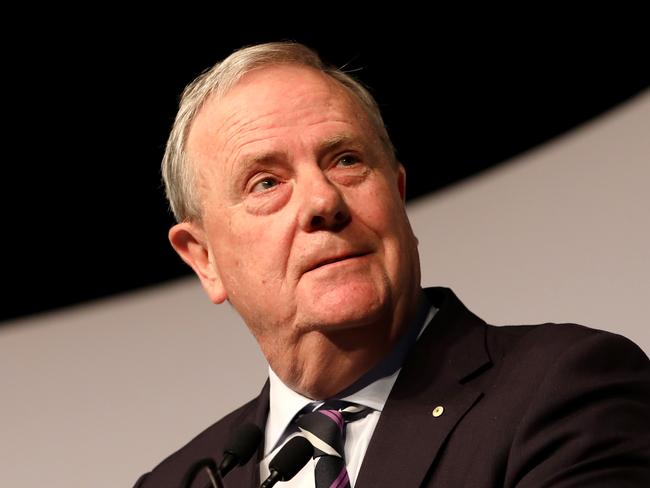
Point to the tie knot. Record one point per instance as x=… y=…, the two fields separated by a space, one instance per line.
x=325 y=427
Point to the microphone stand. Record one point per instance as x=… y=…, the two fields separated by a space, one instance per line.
x=211 y=469
x=239 y=450
x=215 y=478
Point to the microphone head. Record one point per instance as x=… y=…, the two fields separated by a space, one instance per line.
x=292 y=457
x=243 y=443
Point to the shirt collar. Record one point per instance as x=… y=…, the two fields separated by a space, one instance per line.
x=371 y=390
x=284 y=405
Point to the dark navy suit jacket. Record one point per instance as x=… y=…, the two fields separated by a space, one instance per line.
x=523 y=406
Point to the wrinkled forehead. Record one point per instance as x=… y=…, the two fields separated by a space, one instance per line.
x=267 y=96
x=286 y=78
x=284 y=82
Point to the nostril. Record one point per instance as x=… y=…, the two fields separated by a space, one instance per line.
x=317 y=221
x=339 y=217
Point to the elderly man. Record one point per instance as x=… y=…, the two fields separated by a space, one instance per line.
x=290 y=205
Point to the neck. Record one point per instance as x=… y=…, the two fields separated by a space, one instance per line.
x=395 y=358
x=346 y=360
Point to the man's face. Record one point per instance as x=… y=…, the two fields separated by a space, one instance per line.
x=304 y=229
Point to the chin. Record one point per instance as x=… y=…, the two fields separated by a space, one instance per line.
x=345 y=307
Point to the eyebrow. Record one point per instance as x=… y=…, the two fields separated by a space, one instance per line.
x=261 y=158
x=328 y=145
x=335 y=142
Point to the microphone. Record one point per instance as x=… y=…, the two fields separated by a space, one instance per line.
x=239 y=449
x=289 y=460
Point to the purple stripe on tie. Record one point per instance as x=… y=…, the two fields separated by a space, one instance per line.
x=336 y=416
x=341 y=479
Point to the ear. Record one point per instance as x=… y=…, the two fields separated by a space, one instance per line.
x=189 y=240
x=401 y=181
x=401 y=188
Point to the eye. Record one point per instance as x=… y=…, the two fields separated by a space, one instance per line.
x=347 y=160
x=264 y=184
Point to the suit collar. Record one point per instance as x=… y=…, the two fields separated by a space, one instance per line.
x=257 y=413
x=438 y=373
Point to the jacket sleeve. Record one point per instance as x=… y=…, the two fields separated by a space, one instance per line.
x=589 y=422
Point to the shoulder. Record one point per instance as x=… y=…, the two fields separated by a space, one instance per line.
x=523 y=355
x=208 y=444
x=580 y=397
x=562 y=405
x=549 y=344
x=566 y=359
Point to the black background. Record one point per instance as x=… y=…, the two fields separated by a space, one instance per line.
x=89 y=105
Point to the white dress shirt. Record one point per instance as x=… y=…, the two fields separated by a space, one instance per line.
x=286 y=403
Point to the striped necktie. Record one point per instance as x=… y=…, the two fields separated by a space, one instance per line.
x=325 y=429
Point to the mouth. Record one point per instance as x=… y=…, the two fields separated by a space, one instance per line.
x=336 y=259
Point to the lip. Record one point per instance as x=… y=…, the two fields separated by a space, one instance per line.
x=335 y=259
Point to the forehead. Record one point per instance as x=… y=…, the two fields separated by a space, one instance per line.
x=282 y=88
x=271 y=97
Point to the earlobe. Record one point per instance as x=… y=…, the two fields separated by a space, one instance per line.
x=189 y=240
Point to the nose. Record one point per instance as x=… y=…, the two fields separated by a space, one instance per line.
x=322 y=206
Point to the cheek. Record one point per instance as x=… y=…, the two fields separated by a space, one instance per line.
x=380 y=208
x=269 y=202
x=382 y=212
x=252 y=249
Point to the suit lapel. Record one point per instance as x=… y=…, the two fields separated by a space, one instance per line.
x=249 y=474
x=408 y=436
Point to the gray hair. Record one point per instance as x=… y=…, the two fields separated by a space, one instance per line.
x=178 y=175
